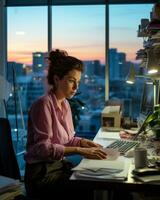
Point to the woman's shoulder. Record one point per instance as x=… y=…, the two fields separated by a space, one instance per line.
x=42 y=101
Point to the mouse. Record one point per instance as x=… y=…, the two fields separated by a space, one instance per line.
x=129 y=154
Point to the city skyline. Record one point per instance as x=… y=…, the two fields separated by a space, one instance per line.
x=82 y=36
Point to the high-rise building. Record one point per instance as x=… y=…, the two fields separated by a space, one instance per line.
x=113 y=62
x=14 y=70
x=39 y=61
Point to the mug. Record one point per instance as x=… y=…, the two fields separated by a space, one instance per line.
x=140 y=157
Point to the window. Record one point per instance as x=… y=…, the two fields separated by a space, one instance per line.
x=27 y=47
x=80 y=30
x=123 y=45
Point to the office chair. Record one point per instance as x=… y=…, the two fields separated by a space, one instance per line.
x=8 y=162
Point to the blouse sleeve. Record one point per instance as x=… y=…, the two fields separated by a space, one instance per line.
x=40 y=132
x=75 y=141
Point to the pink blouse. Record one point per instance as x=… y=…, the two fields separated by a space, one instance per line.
x=49 y=130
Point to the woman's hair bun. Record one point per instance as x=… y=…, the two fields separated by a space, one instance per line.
x=60 y=64
x=57 y=54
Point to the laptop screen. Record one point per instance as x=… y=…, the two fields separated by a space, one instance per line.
x=147 y=102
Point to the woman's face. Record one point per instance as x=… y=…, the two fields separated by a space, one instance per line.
x=68 y=85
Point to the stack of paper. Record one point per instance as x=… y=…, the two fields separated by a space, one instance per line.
x=102 y=169
x=9 y=188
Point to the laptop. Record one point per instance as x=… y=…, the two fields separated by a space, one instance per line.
x=124 y=146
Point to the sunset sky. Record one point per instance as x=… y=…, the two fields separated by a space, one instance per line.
x=80 y=30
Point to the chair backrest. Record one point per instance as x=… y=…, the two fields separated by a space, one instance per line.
x=8 y=162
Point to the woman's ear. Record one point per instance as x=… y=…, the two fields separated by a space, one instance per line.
x=56 y=79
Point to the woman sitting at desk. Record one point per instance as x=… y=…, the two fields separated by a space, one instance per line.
x=51 y=133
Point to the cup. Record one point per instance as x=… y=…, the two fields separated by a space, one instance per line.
x=140 y=157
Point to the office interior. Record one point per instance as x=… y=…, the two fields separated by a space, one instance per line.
x=114 y=40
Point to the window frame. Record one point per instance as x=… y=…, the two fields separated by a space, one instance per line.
x=74 y=2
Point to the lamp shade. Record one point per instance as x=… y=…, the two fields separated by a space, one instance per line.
x=131 y=76
x=153 y=61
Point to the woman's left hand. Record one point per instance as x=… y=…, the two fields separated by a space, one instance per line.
x=89 y=143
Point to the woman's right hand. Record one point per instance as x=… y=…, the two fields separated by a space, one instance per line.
x=93 y=153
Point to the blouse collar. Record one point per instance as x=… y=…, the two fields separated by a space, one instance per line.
x=54 y=98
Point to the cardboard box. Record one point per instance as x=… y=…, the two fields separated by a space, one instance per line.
x=111 y=117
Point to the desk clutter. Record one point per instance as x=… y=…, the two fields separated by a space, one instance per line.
x=9 y=188
x=150 y=173
x=102 y=169
x=111 y=117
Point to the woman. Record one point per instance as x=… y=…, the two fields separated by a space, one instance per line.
x=51 y=132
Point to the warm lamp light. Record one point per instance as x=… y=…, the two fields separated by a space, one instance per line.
x=129 y=82
x=152 y=71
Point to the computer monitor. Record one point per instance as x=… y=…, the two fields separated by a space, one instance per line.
x=147 y=106
x=147 y=103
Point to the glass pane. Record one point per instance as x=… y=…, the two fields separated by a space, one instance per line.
x=80 y=30
x=27 y=47
x=124 y=21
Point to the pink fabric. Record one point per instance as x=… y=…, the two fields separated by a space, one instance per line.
x=49 y=130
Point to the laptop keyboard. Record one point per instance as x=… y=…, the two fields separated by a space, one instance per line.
x=123 y=145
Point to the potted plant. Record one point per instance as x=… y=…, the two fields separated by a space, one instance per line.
x=153 y=121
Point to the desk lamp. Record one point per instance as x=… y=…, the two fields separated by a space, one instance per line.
x=153 y=60
x=154 y=77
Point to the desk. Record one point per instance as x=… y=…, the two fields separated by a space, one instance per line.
x=130 y=184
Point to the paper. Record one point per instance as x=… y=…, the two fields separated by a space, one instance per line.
x=100 y=164
x=112 y=154
x=130 y=131
x=104 y=174
x=109 y=135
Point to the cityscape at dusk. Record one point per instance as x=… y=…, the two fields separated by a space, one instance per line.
x=80 y=30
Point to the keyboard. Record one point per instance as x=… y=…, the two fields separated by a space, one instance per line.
x=123 y=145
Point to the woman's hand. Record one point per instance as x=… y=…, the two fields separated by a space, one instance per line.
x=93 y=153
x=89 y=143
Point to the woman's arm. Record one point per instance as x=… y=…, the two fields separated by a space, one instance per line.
x=88 y=143
x=91 y=153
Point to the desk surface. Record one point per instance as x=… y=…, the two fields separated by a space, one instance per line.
x=130 y=184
